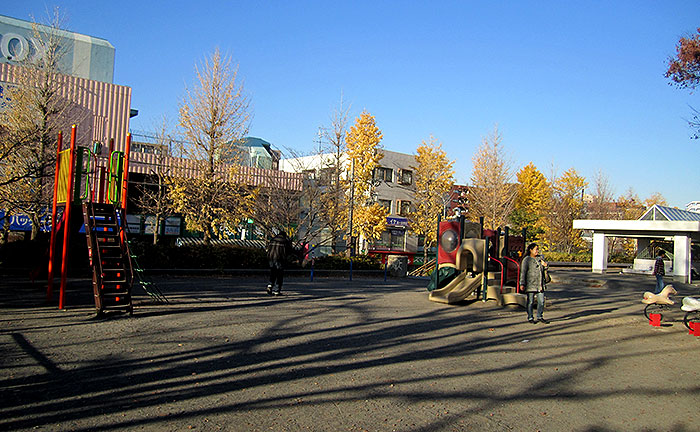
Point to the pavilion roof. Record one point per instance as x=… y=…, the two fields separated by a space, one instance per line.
x=661 y=213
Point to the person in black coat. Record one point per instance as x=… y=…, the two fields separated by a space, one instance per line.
x=659 y=271
x=277 y=250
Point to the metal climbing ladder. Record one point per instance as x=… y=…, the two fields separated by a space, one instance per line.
x=110 y=260
x=101 y=187
x=145 y=282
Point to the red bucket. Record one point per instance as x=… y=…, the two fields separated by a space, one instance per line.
x=694 y=328
x=655 y=319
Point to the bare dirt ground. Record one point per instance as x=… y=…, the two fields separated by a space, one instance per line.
x=335 y=355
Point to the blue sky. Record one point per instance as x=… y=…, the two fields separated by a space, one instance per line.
x=570 y=84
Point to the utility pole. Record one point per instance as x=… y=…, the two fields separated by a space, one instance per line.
x=319 y=141
x=350 y=205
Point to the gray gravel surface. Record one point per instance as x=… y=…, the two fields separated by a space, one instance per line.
x=339 y=355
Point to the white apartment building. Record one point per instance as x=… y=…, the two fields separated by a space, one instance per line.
x=395 y=190
x=693 y=206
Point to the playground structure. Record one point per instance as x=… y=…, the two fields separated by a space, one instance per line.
x=472 y=260
x=691 y=307
x=95 y=186
x=658 y=304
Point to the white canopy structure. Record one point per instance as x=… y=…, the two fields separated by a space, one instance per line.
x=680 y=226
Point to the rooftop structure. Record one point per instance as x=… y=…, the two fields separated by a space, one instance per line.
x=693 y=206
x=678 y=226
x=661 y=213
x=82 y=56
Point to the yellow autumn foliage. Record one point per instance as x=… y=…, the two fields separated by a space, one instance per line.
x=363 y=145
x=434 y=178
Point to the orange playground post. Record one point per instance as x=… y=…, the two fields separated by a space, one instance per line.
x=52 y=242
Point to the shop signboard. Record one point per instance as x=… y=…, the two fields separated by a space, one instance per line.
x=395 y=221
x=171 y=225
x=21 y=222
x=133 y=224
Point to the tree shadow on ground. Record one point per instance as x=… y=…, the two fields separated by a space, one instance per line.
x=349 y=333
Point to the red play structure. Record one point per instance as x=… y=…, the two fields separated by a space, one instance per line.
x=490 y=257
x=96 y=187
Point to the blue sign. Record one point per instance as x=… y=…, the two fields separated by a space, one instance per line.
x=397 y=221
x=21 y=222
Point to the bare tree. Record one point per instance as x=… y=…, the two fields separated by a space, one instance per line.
x=334 y=187
x=154 y=197
x=287 y=202
x=602 y=205
x=35 y=107
x=655 y=199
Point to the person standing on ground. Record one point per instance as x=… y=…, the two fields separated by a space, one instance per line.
x=277 y=250
x=659 y=271
x=532 y=281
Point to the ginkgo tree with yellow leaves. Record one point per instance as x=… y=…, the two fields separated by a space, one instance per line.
x=565 y=206
x=492 y=194
x=214 y=117
x=434 y=178
x=366 y=217
x=531 y=201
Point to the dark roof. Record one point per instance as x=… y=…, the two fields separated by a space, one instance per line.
x=661 y=213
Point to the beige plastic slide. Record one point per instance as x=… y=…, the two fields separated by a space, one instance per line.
x=457 y=290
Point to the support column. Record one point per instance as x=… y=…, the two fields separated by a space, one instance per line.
x=599 y=263
x=681 y=258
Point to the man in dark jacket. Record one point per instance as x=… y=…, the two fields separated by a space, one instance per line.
x=277 y=250
x=659 y=271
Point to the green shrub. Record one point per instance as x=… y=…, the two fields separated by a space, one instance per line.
x=621 y=258
x=341 y=262
x=33 y=255
x=568 y=257
x=585 y=257
x=198 y=256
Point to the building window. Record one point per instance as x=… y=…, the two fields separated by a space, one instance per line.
x=386 y=204
x=397 y=239
x=404 y=208
x=325 y=177
x=309 y=174
x=405 y=177
x=381 y=173
x=384 y=241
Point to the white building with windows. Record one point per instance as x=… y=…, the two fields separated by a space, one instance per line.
x=395 y=190
x=693 y=206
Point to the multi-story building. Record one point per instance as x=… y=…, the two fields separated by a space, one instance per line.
x=693 y=206
x=394 y=190
x=86 y=69
x=102 y=111
x=81 y=56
